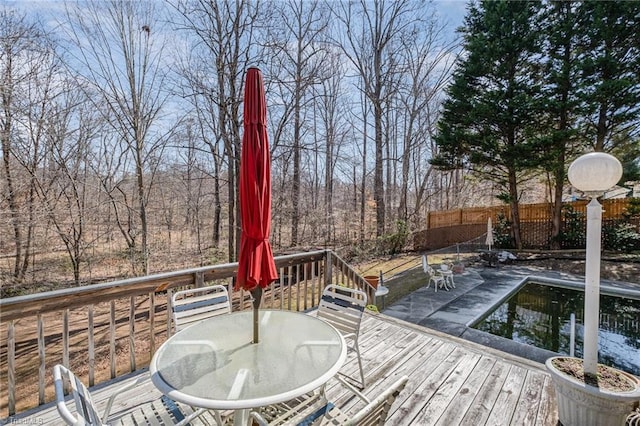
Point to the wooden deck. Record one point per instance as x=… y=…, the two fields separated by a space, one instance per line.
x=451 y=381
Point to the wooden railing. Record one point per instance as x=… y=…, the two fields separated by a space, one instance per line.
x=106 y=330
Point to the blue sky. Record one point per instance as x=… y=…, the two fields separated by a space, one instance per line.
x=452 y=11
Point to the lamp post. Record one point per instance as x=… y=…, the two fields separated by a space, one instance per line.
x=593 y=174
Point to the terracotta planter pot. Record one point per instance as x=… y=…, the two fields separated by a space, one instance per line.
x=580 y=404
x=458 y=268
x=372 y=280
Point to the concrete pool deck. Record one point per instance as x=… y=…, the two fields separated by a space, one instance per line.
x=477 y=289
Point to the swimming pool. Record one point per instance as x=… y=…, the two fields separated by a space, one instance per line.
x=538 y=313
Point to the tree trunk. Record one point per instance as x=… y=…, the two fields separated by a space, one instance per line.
x=378 y=182
x=295 y=190
x=515 y=210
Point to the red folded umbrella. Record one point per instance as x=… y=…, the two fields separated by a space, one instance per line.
x=256 y=267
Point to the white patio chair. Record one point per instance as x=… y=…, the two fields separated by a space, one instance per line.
x=316 y=410
x=436 y=278
x=161 y=411
x=343 y=307
x=194 y=305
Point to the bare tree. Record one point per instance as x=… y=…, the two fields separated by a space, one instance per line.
x=121 y=58
x=332 y=110
x=199 y=181
x=64 y=179
x=224 y=44
x=203 y=135
x=366 y=111
x=300 y=58
x=108 y=164
x=428 y=59
x=372 y=34
x=28 y=63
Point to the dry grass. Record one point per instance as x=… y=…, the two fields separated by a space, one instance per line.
x=614 y=266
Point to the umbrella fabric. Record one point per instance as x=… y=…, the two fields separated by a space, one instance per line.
x=256 y=269
x=489 y=240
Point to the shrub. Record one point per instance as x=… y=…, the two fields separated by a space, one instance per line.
x=574 y=230
x=502 y=233
x=395 y=243
x=632 y=209
x=622 y=237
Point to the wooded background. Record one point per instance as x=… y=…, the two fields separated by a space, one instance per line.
x=121 y=125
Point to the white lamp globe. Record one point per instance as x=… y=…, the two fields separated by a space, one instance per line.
x=595 y=172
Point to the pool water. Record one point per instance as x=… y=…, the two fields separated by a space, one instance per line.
x=539 y=315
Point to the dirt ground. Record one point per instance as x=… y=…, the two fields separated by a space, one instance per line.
x=614 y=266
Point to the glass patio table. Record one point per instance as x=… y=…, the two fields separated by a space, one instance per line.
x=214 y=364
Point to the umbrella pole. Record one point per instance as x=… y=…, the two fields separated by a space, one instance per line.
x=257 y=296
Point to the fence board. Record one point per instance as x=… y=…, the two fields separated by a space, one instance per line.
x=536 y=233
x=535 y=226
x=612 y=209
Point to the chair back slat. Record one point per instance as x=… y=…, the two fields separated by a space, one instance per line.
x=194 y=305
x=342 y=307
x=345 y=321
x=86 y=412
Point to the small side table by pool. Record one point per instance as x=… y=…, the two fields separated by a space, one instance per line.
x=381 y=291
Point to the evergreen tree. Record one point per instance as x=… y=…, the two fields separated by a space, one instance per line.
x=493 y=107
x=629 y=155
x=560 y=136
x=610 y=66
x=592 y=86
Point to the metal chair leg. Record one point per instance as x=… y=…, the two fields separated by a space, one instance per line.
x=360 y=365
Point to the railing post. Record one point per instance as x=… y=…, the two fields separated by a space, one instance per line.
x=91 y=346
x=152 y=323
x=112 y=339
x=132 y=333
x=65 y=338
x=41 y=357
x=328 y=277
x=11 y=366
x=168 y=313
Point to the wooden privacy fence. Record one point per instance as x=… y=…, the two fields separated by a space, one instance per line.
x=107 y=330
x=613 y=209
x=446 y=228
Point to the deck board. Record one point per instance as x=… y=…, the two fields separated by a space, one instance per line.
x=454 y=413
x=547 y=409
x=451 y=381
x=481 y=407
x=527 y=407
x=448 y=391
x=504 y=407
